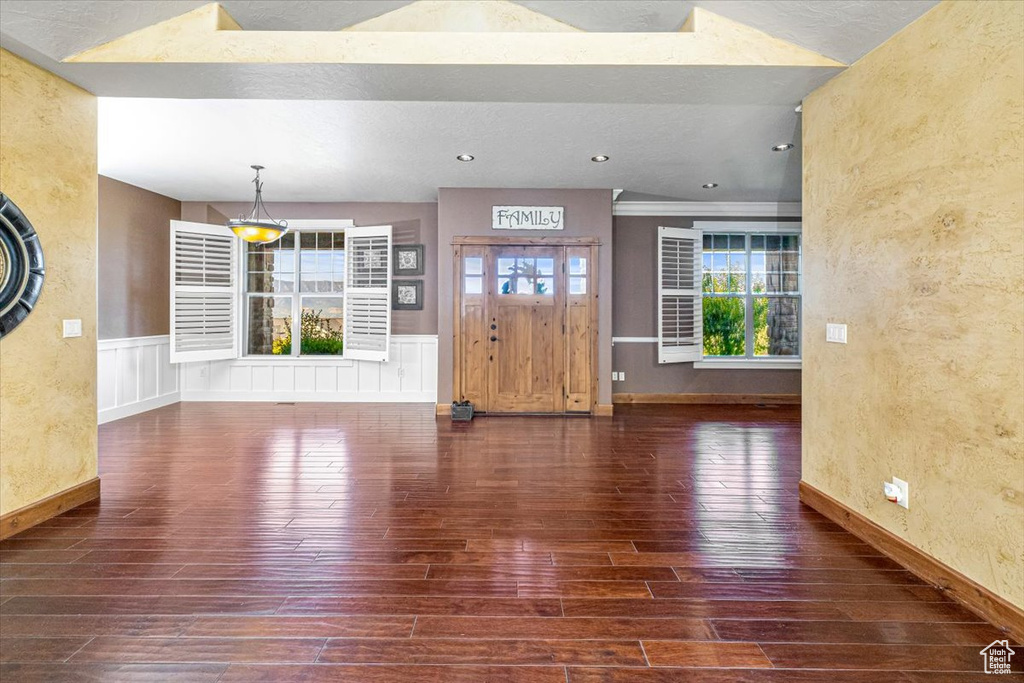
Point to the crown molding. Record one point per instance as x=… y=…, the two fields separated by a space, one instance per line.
x=709 y=209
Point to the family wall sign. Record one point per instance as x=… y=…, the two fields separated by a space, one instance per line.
x=528 y=217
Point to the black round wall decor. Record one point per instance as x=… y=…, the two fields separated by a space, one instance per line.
x=21 y=266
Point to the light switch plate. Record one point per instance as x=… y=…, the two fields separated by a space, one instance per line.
x=905 y=490
x=73 y=328
x=835 y=333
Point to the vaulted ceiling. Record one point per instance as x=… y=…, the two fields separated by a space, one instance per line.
x=354 y=121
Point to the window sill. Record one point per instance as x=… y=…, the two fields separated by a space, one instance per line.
x=277 y=360
x=748 y=364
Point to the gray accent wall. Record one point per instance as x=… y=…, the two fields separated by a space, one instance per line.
x=133 y=276
x=635 y=314
x=467 y=211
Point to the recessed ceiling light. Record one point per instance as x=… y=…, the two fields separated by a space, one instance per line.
x=709 y=186
x=465 y=157
x=600 y=158
x=784 y=147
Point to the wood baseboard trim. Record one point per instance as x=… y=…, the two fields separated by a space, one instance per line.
x=40 y=511
x=444 y=409
x=604 y=410
x=964 y=590
x=723 y=399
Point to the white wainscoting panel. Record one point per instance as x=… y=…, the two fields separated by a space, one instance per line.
x=410 y=376
x=134 y=375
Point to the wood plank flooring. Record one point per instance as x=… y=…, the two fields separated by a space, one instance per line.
x=327 y=542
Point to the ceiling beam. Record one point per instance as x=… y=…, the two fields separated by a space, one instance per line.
x=208 y=35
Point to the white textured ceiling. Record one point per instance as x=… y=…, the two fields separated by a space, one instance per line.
x=373 y=132
x=388 y=151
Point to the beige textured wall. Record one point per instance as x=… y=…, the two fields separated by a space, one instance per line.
x=134 y=243
x=48 y=384
x=912 y=197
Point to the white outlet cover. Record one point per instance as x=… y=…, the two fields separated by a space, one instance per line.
x=622 y=377
x=905 y=490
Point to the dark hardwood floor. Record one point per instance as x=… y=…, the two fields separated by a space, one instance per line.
x=328 y=542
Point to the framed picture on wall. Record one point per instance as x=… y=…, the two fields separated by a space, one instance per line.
x=408 y=259
x=407 y=295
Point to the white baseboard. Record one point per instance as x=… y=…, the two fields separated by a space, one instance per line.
x=310 y=396
x=111 y=414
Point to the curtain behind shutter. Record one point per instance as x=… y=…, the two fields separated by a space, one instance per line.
x=368 y=292
x=680 y=319
x=204 y=292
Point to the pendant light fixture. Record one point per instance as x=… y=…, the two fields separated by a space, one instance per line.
x=258 y=226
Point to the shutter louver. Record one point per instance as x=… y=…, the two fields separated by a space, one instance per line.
x=680 y=319
x=368 y=293
x=204 y=295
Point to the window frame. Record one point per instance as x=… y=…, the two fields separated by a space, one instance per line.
x=297 y=227
x=749 y=360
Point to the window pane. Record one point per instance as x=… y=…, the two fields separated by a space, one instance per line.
x=338 y=261
x=738 y=282
x=473 y=265
x=577 y=284
x=506 y=266
x=506 y=285
x=322 y=326
x=724 y=326
x=721 y=242
x=777 y=326
x=281 y=260
x=287 y=242
x=256 y=261
x=474 y=284
x=708 y=242
x=339 y=241
x=738 y=261
x=307 y=240
x=720 y=262
x=545 y=266
x=577 y=265
x=324 y=263
x=545 y=285
x=524 y=286
x=307 y=261
x=270 y=325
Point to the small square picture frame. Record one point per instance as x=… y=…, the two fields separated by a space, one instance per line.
x=407 y=295
x=408 y=259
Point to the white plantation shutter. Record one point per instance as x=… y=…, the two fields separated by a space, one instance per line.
x=368 y=292
x=680 y=321
x=204 y=292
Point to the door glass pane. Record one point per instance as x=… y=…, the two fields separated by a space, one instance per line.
x=545 y=285
x=473 y=265
x=777 y=326
x=506 y=266
x=506 y=285
x=523 y=285
x=545 y=266
x=577 y=284
x=724 y=326
x=322 y=330
x=270 y=319
x=577 y=265
x=474 y=284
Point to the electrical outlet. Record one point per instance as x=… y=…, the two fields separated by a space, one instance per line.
x=622 y=377
x=73 y=328
x=615 y=377
x=835 y=333
x=904 y=488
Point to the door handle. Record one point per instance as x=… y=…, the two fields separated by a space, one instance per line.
x=493 y=338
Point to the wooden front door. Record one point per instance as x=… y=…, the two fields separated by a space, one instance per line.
x=525 y=332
